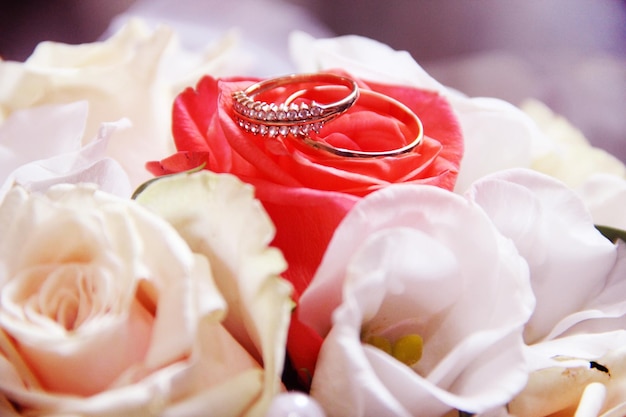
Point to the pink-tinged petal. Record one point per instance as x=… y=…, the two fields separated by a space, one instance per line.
x=82 y=367
x=554 y=232
x=358 y=392
x=58 y=130
x=60 y=158
x=604 y=312
x=605 y=196
x=497 y=136
x=88 y=164
x=418 y=260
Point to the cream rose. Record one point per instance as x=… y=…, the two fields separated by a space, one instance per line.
x=219 y=218
x=135 y=74
x=568 y=155
x=587 y=388
x=597 y=176
x=105 y=309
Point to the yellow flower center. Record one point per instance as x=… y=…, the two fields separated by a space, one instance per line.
x=407 y=349
x=381 y=343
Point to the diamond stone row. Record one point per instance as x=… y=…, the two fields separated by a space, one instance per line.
x=272 y=130
x=279 y=115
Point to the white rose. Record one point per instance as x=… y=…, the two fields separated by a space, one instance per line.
x=135 y=74
x=417 y=269
x=107 y=311
x=41 y=146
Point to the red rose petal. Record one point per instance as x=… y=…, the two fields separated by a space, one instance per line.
x=307 y=191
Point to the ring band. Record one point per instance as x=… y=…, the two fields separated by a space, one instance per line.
x=393 y=108
x=273 y=119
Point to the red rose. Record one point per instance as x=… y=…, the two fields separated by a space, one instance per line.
x=307 y=191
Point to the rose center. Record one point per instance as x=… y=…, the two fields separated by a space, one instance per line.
x=407 y=349
x=69 y=296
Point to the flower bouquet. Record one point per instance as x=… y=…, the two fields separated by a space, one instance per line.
x=352 y=239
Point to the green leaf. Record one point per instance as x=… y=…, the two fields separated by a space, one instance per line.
x=612 y=233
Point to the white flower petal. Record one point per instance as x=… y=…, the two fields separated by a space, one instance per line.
x=58 y=129
x=572 y=159
x=418 y=260
x=349 y=387
x=604 y=312
x=555 y=234
x=135 y=74
x=561 y=385
x=605 y=196
x=60 y=158
x=219 y=217
x=362 y=57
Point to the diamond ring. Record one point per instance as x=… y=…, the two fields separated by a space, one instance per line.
x=412 y=127
x=284 y=118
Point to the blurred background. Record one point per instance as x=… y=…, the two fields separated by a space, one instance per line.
x=429 y=29
x=570 y=54
x=24 y=23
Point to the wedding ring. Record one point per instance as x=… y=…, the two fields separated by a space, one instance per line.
x=414 y=131
x=274 y=119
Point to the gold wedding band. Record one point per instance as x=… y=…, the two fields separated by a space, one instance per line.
x=382 y=103
x=274 y=119
x=303 y=119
